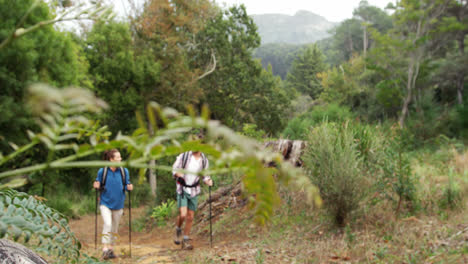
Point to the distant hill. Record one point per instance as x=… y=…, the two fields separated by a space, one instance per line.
x=303 y=27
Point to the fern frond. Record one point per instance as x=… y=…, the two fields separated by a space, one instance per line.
x=22 y=216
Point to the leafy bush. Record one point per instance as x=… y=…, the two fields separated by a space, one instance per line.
x=335 y=166
x=451 y=195
x=141 y=194
x=427 y=123
x=397 y=178
x=460 y=119
x=163 y=212
x=298 y=127
x=62 y=205
x=251 y=130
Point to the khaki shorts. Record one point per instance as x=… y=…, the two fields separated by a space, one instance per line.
x=186 y=201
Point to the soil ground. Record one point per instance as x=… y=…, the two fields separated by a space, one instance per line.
x=155 y=246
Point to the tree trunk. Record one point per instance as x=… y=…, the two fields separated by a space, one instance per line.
x=365 y=41
x=409 y=91
x=151 y=172
x=461 y=75
x=12 y=252
x=152 y=178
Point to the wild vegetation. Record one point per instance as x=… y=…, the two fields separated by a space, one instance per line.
x=380 y=104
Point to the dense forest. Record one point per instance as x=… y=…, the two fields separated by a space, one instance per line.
x=380 y=104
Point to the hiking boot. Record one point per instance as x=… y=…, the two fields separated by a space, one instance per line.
x=111 y=254
x=186 y=244
x=106 y=254
x=177 y=236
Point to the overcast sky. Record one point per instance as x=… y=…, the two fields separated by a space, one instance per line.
x=332 y=10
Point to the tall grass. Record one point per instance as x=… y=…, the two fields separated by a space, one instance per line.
x=335 y=165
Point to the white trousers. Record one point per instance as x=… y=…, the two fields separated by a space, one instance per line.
x=110 y=227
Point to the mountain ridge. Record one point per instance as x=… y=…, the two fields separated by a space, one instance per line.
x=300 y=28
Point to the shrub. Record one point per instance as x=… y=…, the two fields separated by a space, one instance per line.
x=251 y=130
x=397 y=178
x=141 y=194
x=460 y=120
x=163 y=212
x=335 y=166
x=298 y=127
x=451 y=195
x=428 y=122
x=64 y=206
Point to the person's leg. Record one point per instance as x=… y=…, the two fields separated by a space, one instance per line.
x=188 y=226
x=192 y=203
x=188 y=222
x=182 y=205
x=192 y=207
x=106 y=227
x=182 y=216
x=116 y=215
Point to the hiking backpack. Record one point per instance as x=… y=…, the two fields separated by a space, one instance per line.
x=104 y=178
x=185 y=157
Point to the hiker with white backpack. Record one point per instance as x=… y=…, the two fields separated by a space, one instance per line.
x=112 y=183
x=188 y=189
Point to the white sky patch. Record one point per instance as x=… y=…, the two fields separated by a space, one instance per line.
x=332 y=10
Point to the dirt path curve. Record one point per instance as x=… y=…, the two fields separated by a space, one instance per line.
x=151 y=247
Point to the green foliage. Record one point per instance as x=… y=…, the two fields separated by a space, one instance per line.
x=347 y=40
x=141 y=193
x=350 y=237
x=347 y=84
x=163 y=212
x=335 y=166
x=61 y=119
x=451 y=196
x=259 y=256
x=48 y=55
x=24 y=217
x=299 y=127
x=429 y=122
x=239 y=90
x=279 y=55
x=61 y=205
x=303 y=74
x=397 y=178
x=251 y=130
x=460 y=119
x=121 y=75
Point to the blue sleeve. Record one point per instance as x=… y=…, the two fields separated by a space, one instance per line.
x=99 y=175
x=127 y=177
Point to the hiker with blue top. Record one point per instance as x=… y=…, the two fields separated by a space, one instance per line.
x=188 y=189
x=112 y=183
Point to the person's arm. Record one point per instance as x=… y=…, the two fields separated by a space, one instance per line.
x=97 y=182
x=177 y=165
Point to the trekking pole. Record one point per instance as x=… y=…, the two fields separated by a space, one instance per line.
x=95 y=221
x=211 y=233
x=130 y=222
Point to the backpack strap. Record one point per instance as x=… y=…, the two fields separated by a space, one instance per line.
x=104 y=178
x=185 y=158
x=122 y=172
x=204 y=161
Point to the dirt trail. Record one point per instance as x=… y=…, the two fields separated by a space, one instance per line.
x=155 y=246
